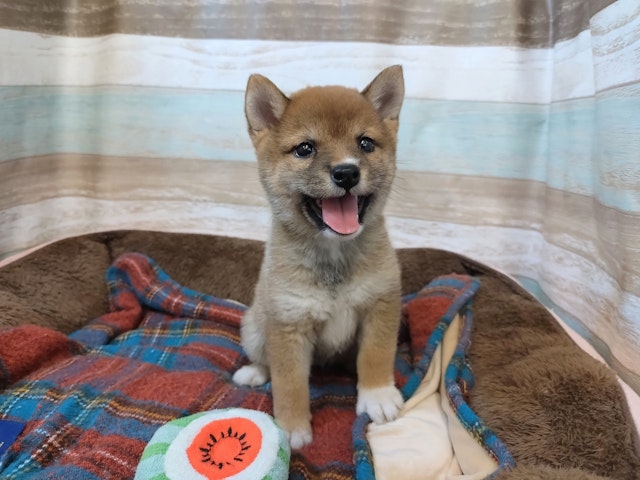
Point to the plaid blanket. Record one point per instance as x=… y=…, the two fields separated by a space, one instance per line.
x=92 y=400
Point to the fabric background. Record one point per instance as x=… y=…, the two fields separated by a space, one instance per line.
x=519 y=140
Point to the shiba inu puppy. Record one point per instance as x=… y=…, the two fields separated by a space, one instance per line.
x=330 y=281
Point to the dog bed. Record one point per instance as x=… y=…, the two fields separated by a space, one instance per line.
x=557 y=412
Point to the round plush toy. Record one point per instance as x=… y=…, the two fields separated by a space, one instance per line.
x=235 y=444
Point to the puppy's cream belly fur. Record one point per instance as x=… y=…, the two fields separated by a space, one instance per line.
x=335 y=312
x=334 y=320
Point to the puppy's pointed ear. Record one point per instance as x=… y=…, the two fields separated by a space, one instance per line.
x=264 y=104
x=386 y=92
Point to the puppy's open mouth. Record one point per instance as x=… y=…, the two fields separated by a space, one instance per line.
x=343 y=214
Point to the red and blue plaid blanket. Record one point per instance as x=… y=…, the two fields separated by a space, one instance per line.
x=91 y=401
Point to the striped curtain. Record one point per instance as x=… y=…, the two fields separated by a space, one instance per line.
x=519 y=139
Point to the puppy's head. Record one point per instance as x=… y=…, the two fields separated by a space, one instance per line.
x=326 y=155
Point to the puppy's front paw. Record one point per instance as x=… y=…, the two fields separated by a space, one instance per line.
x=299 y=438
x=381 y=403
x=252 y=375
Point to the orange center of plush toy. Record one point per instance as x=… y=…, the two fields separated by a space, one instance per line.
x=225 y=447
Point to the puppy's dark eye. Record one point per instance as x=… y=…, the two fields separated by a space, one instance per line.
x=366 y=144
x=304 y=150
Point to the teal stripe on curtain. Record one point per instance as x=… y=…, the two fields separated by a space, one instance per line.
x=554 y=144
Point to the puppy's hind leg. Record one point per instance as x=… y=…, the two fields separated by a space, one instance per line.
x=252 y=375
x=253 y=336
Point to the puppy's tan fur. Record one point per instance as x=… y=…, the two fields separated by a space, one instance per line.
x=321 y=293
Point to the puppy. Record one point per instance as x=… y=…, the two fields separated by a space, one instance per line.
x=330 y=280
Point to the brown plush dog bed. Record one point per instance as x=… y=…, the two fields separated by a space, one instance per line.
x=561 y=413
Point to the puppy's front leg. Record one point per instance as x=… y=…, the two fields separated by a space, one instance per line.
x=377 y=394
x=289 y=350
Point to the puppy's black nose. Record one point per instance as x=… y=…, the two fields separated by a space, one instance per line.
x=346 y=175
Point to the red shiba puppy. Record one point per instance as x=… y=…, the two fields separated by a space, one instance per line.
x=330 y=282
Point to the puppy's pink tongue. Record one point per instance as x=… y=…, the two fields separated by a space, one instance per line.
x=341 y=213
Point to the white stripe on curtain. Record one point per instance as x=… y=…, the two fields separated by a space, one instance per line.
x=582 y=65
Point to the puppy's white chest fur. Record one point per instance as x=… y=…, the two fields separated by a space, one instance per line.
x=334 y=313
x=334 y=316
x=337 y=329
